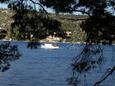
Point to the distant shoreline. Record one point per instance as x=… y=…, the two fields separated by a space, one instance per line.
x=43 y=41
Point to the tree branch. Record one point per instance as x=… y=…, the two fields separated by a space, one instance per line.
x=110 y=72
x=39 y=5
x=81 y=11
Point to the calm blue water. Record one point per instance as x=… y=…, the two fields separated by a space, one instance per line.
x=42 y=67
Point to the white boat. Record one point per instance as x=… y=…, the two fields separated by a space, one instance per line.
x=7 y=39
x=49 y=46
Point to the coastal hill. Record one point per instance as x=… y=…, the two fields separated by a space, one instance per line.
x=69 y=23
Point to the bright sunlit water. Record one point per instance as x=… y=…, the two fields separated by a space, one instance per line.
x=50 y=67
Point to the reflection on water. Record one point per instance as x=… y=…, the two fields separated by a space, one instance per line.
x=43 y=67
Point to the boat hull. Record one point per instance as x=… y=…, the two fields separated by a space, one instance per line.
x=49 y=46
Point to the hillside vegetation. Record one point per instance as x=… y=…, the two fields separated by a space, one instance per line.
x=70 y=24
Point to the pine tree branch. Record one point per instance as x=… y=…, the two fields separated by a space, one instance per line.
x=39 y=5
x=81 y=11
x=110 y=72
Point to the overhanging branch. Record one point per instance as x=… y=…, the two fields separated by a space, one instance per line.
x=110 y=72
x=39 y=5
x=81 y=11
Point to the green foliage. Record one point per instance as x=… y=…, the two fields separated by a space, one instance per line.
x=8 y=53
x=59 y=5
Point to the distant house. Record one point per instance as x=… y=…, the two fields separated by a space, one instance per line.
x=68 y=33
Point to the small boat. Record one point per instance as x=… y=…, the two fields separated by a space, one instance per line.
x=7 y=39
x=49 y=46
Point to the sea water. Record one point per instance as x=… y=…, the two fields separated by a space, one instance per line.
x=52 y=67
